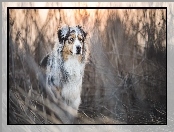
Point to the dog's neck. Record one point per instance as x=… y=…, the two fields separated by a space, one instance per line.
x=74 y=68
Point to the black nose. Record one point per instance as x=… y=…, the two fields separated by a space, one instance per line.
x=78 y=49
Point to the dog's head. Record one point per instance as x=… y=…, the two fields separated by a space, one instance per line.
x=73 y=41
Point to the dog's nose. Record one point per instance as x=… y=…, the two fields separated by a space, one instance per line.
x=78 y=49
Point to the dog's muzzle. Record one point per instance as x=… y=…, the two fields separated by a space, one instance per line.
x=78 y=49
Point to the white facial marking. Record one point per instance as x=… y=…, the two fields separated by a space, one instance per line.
x=76 y=43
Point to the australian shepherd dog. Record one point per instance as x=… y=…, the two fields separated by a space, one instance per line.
x=65 y=66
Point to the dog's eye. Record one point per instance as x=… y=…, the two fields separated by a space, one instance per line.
x=72 y=39
x=80 y=39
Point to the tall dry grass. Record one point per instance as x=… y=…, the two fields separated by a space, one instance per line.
x=125 y=78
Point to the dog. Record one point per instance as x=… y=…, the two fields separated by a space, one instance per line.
x=65 y=65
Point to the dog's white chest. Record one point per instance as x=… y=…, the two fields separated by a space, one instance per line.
x=74 y=67
x=72 y=88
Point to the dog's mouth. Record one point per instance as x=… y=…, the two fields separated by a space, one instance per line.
x=78 y=52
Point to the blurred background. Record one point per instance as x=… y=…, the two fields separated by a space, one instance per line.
x=125 y=77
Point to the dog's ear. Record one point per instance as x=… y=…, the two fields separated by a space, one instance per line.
x=59 y=34
x=82 y=31
x=85 y=34
x=62 y=33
